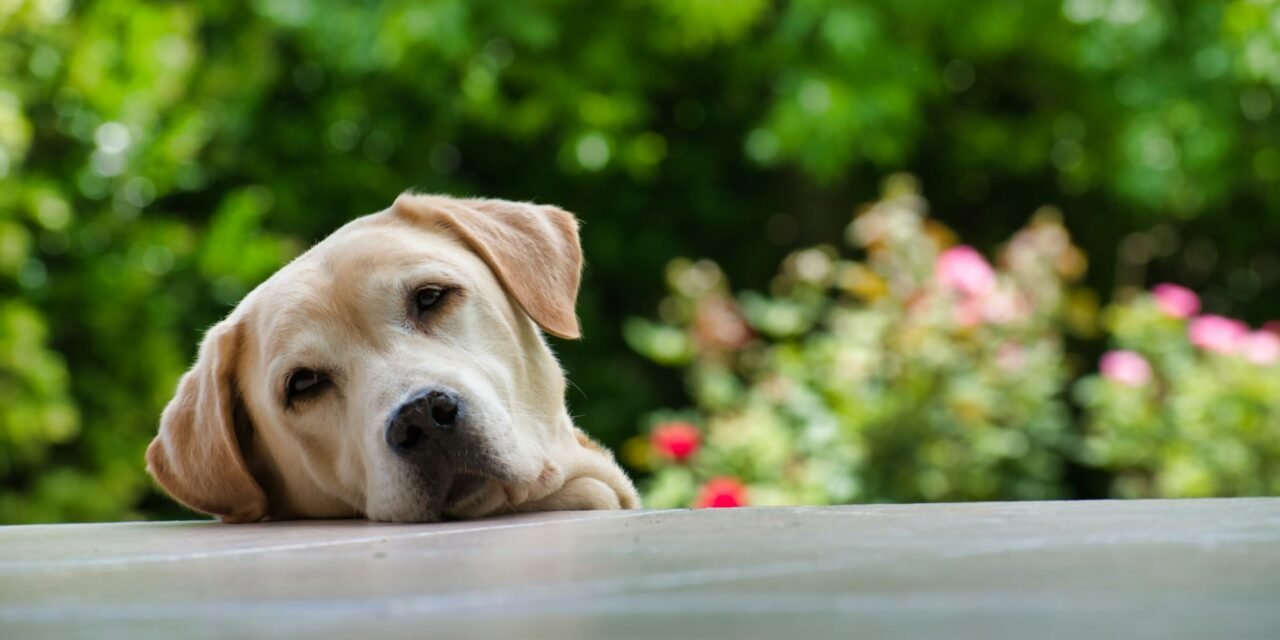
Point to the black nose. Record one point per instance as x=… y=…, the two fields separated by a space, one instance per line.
x=431 y=411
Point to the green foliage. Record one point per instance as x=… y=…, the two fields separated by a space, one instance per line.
x=157 y=160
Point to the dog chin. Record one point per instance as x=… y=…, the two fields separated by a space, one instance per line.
x=490 y=498
x=466 y=496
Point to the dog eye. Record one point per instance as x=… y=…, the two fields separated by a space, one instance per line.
x=305 y=383
x=427 y=298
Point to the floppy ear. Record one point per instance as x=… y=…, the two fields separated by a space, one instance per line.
x=533 y=249
x=196 y=456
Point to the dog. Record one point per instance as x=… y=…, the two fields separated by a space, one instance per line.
x=395 y=371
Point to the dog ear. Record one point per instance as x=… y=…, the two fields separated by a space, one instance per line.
x=533 y=249
x=196 y=456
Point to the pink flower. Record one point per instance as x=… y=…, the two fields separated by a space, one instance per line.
x=675 y=440
x=1216 y=333
x=718 y=324
x=967 y=312
x=1175 y=300
x=1011 y=357
x=721 y=492
x=1004 y=306
x=1125 y=367
x=1272 y=327
x=1261 y=347
x=963 y=269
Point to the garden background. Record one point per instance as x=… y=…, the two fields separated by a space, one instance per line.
x=158 y=159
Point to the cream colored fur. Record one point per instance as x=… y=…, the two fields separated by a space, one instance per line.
x=230 y=447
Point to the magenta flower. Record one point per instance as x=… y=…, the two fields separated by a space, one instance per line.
x=1217 y=334
x=1261 y=347
x=676 y=441
x=721 y=492
x=963 y=269
x=1125 y=367
x=1176 y=300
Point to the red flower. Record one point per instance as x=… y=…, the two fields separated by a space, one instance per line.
x=721 y=492
x=675 y=440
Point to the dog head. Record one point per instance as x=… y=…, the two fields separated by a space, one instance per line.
x=395 y=371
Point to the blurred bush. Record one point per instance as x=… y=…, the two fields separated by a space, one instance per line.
x=923 y=373
x=920 y=373
x=1186 y=405
x=158 y=159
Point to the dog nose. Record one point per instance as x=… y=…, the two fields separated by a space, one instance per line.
x=431 y=411
x=443 y=406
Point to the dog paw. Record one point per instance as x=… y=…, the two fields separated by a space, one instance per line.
x=550 y=479
x=578 y=494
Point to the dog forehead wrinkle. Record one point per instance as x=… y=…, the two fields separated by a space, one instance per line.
x=345 y=287
x=302 y=326
x=372 y=248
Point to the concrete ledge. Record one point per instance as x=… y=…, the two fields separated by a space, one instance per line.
x=1165 y=569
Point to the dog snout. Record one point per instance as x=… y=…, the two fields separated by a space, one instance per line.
x=429 y=413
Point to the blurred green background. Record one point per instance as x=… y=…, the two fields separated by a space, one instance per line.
x=158 y=159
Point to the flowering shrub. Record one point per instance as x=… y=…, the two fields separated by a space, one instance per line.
x=921 y=372
x=1188 y=405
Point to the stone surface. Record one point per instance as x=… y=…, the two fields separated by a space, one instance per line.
x=1170 y=569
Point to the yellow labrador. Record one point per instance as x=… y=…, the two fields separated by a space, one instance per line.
x=395 y=371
